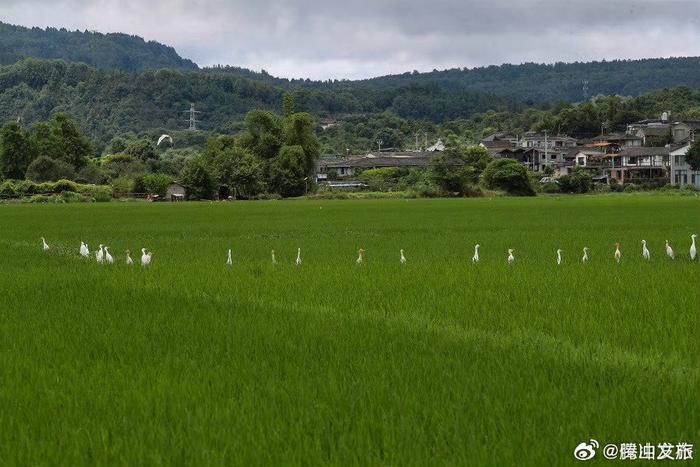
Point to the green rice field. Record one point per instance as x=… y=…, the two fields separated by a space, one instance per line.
x=190 y=362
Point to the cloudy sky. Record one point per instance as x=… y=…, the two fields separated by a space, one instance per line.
x=364 y=38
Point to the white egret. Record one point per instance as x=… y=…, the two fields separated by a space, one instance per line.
x=475 y=258
x=100 y=254
x=584 y=258
x=145 y=257
x=298 y=261
x=108 y=257
x=229 y=259
x=274 y=258
x=163 y=138
x=511 y=258
x=645 y=251
x=559 y=258
x=360 y=256
x=693 y=249
x=403 y=257
x=44 y=245
x=669 y=251
x=84 y=251
x=618 y=253
x=129 y=259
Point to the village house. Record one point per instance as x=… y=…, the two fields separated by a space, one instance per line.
x=175 y=192
x=681 y=173
x=349 y=166
x=641 y=165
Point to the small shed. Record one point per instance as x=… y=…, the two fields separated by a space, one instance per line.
x=176 y=192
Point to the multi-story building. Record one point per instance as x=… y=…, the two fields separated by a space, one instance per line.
x=681 y=173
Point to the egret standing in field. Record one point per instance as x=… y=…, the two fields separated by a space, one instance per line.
x=618 y=253
x=584 y=258
x=44 y=245
x=129 y=260
x=274 y=258
x=669 y=251
x=559 y=258
x=645 y=251
x=108 y=257
x=693 y=250
x=229 y=260
x=298 y=260
x=84 y=251
x=145 y=257
x=475 y=258
x=360 y=256
x=100 y=254
x=403 y=257
x=511 y=258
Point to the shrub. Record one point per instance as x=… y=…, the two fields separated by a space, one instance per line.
x=122 y=186
x=156 y=184
x=579 y=181
x=8 y=189
x=508 y=175
x=616 y=186
x=102 y=194
x=27 y=187
x=64 y=185
x=45 y=169
x=39 y=199
x=91 y=173
x=550 y=188
x=71 y=197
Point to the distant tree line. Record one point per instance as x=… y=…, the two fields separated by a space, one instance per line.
x=111 y=51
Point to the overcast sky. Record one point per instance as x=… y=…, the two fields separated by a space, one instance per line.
x=364 y=38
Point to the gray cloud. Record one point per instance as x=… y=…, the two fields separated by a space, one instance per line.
x=363 y=38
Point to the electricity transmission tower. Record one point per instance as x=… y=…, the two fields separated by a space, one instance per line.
x=585 y=89
x=193 y=117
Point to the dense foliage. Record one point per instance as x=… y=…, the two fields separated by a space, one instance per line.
x=113 y=51
x=109 y=104
x=530 y=83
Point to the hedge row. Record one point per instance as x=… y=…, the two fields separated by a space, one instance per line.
x=24 y=188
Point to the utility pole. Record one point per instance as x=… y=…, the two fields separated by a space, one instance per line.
x=379 y=143
x=546 y=147
x=417 y=135
x=425 y=140
x=193 y=117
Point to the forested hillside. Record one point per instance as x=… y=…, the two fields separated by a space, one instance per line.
x=110 y=51
x=529 y=83
x=106 y=103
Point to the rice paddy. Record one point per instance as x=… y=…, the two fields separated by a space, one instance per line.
x=436 y=362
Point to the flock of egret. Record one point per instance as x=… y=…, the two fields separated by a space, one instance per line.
x=103 y=256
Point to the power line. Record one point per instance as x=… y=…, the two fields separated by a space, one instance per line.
x=193 y=117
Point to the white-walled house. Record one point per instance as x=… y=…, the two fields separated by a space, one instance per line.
x=681 y=174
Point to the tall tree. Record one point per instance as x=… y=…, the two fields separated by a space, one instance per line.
x=43 y=141
x=288 y=104
x=263 y=136
x=299 y=130
x=287 y=172
x=15 y=151
x=74 y=147
x=692 y=157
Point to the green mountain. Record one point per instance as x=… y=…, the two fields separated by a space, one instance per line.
x=530 y=83
x=109 y=51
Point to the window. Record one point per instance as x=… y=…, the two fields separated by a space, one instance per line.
x=553 y=157
x=580 y=160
